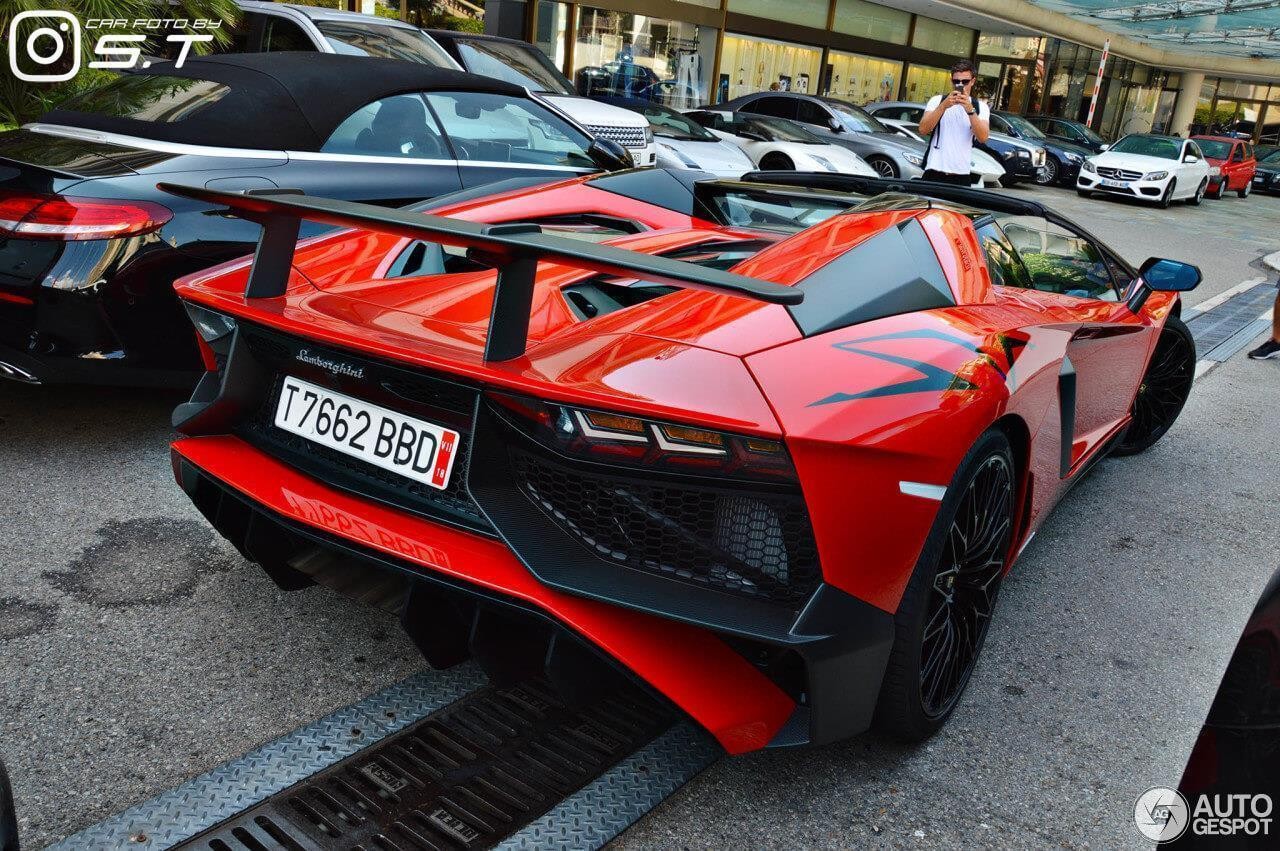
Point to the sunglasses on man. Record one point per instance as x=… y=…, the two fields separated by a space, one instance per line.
x=958 y=81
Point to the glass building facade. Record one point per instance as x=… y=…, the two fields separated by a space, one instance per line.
x=686 y=53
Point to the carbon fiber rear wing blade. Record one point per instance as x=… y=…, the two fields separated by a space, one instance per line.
x=513 y=249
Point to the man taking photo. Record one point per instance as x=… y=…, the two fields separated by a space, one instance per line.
x=955 y=120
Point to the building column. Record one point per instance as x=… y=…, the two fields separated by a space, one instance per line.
x=1184 y=107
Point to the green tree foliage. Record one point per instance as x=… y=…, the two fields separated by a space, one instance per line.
x=22 y=101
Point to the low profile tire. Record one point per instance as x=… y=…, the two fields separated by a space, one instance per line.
x=8 y=819
x=1167 y=197
x=1195 y=199
x=942 y=620
x=884 y=166
x=1164 y=389
x=1049 y=176
x=1248 y=186
x=776 y=162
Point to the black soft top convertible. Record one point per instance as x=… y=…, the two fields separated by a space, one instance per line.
x=289 y=101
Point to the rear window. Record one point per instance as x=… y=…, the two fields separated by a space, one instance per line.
x=159 y=99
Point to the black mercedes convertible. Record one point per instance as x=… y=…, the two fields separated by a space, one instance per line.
x=89 y=249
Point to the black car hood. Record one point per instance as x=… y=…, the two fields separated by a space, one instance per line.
x=1269 y=168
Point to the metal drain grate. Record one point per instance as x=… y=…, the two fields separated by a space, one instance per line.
x=1227 y=328
x=467 y=776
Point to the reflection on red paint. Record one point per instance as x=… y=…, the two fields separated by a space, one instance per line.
x=348 y=525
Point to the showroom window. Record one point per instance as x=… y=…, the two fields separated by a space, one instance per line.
x=636 y=56
x=550 y=27
x=1008 y=46
x=923 y=82
x=807 y=13
x=873 y=21
x=750 y=65
x=861 y=79
x=942 y=37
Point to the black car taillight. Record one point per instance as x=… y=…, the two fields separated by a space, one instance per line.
x=627 y=440
x=63 y=217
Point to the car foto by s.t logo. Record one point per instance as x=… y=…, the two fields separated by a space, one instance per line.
x=44 y=45
x=1163 y=814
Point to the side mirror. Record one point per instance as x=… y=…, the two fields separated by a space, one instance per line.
x=609 y=155
x=834 y=125
x=1164 y=276
x=1104 y=147
x=1191 y=158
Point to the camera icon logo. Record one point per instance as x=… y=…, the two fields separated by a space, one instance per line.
x=57 y=41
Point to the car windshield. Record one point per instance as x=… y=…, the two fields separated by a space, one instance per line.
x=522 y=64
x=1090 y=135
x=856 y=119
x=665 y=121
x=1149 y=146
x=1214 y=148
x=1023 y=126
x=357 y=39
x=1272 y=158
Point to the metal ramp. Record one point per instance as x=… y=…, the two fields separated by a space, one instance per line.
x=443 y=760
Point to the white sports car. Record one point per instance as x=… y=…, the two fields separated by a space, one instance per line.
x=685 y=144
x=777 y=144
x=1148 y=167
x=981 y=164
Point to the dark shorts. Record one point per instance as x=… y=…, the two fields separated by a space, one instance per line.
x=947 y=177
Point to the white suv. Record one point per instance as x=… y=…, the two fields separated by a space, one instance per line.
x=272 y=27
x=525 y=65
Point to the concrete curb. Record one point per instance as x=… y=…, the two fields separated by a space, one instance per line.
x=1272 y=261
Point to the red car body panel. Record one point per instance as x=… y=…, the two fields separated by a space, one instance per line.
x=729 y=697
x=1235 y=174
x=854 y=406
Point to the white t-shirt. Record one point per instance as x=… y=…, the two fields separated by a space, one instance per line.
x=951 y=146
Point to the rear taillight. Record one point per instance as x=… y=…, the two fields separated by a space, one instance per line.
x=63 y=217
x=613 y=438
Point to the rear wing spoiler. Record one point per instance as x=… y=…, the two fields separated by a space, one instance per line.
x=513 y=249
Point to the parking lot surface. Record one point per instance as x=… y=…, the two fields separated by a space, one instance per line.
x=139 y=650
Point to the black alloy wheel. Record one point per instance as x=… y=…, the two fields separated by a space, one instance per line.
x=942 y=620
x=883 y=166
x=1048 y=176
x=1164 y=389
x=965 y=586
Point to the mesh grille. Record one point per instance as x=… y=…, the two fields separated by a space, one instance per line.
x=417 y=394
x=747 y=543
x=627 y=137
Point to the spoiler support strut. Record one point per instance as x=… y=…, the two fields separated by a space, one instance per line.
x=513 y=249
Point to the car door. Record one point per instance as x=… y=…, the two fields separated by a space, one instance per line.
x=1191 y=174
x=1080 y=288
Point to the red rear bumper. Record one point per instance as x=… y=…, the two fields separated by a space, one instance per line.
x=691 y=666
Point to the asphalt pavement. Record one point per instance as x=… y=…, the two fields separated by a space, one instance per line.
x=138 y=650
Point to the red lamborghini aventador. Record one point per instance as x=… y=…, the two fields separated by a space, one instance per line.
x=767 y=447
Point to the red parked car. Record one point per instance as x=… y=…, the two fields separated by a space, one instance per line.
x=767 y=450
x=1235 y=161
